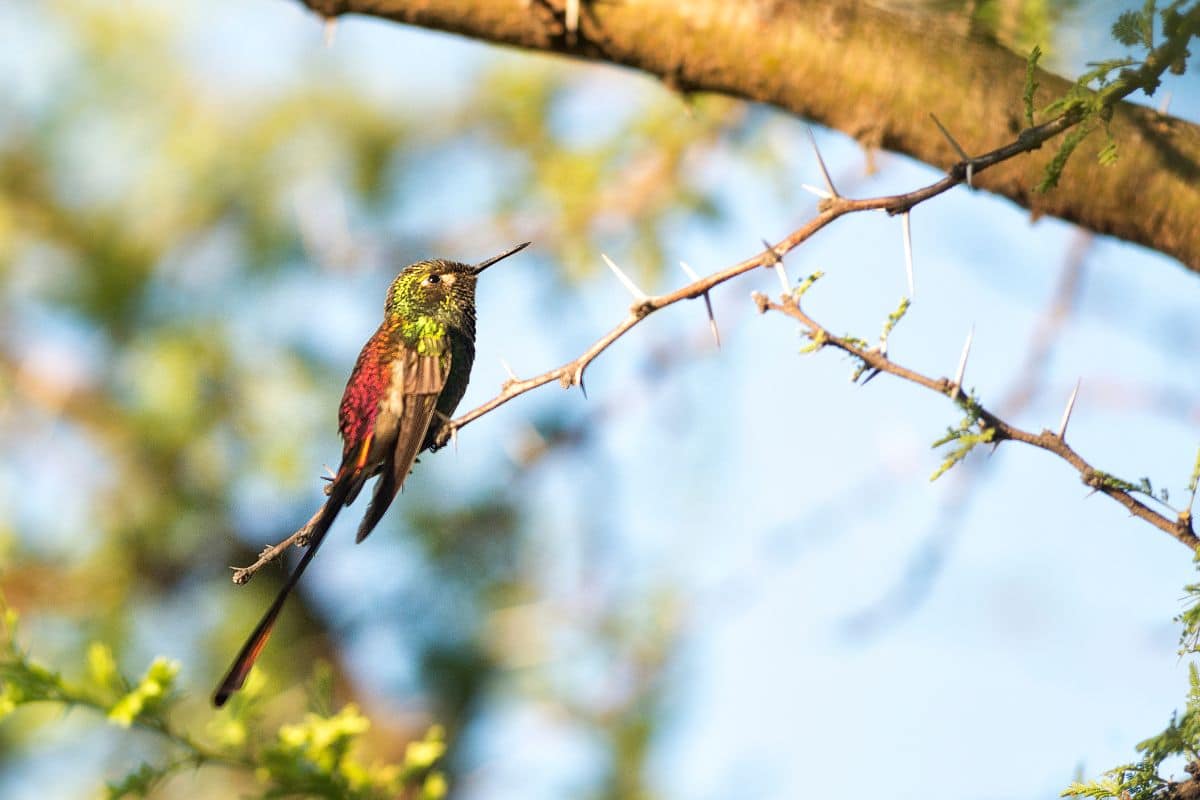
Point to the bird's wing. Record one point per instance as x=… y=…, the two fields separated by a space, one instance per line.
x=416 y=383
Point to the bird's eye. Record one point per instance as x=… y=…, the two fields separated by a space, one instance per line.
x=432 y=279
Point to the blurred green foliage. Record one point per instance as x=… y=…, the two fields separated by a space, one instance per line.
x=309 y=758
x=155 y=376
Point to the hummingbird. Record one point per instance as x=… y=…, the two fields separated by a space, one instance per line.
x=407 y=381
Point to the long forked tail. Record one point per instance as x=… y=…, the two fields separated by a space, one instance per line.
x=258 y=639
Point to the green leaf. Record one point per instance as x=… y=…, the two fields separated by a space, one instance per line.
x=1108 y=154
x=1194 y=482
x=102 y=667
x=807 y=284
x=148 y=695
x=1128 y=28
x=421 y=755
x=1055 y=168
x=1031 y=82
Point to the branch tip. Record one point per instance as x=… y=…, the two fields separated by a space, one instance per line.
x=783 y=278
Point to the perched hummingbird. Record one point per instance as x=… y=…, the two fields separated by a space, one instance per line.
x=405 y=385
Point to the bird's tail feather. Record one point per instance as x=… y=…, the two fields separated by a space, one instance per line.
x=258 y=639
x=381 y=498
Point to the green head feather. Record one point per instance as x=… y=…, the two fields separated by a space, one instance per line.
x=437 y=295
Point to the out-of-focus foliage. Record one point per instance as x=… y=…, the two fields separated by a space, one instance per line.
x=1143 y=779
x=1017 y=24
x=1091 y=98
x=167 y=391
x=309 y=758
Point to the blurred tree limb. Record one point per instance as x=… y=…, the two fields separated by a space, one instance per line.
x=871 y=73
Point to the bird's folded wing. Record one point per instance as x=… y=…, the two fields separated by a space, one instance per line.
x=423 y=378
x=418 y=380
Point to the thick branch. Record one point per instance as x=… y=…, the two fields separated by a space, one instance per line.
x=870 y=73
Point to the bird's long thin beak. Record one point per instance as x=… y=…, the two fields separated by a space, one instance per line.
x=482 y=265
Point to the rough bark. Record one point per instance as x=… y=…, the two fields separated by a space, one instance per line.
x=872 y=74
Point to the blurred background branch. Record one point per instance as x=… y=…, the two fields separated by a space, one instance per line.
x=898 y=64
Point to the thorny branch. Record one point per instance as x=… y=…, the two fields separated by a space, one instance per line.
x=832 y=206
x=1180 y=528
x=901 y=599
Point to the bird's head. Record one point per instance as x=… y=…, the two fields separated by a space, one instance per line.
x=441 y=290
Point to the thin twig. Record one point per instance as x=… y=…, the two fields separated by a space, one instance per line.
x=1047 y=440
x=299 y=538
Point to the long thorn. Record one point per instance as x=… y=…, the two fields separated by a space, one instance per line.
x=329 y=31
x=712 y=320
x=578 y=379
x=1066 y=417
x=821 y=163
x=783 y=278
x=962 y=361
x=628 y=283
x=777 y=262
x=906 y=224
x=953 y=142
x=687 y=270
x=957 y=148
x=821 y=193
x=512 y=376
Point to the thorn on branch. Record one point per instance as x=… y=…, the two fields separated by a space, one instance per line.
x=329 y=31
x=962 y=154
x=961 y=372
x=776 y=261
x=712 y=320
x=1066 y=417
x=821 y=163
x=906 y=225
x=626 y=281
x=512 y=376
x=574 y=378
